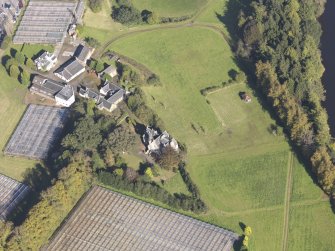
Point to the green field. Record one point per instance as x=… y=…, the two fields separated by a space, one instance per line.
x=241 y=168
x=11 y=110
x=170 y=8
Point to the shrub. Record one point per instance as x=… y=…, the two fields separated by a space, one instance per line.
x=92 y=42
x=126 y=15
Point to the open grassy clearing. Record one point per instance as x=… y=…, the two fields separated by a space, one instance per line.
x=237 y=182
x=33 y=50
x=238 y=164
x=176 y=185
x=312 y=227
x=303 y=187
x=170 y=8
x=11 y=110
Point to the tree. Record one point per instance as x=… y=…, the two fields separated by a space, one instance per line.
x=152 y=18
x=92 y=42
x=169 y=158
x=121 y=139
x=30 y=64
x=148 y=172
x=20 y=57
x=86 y=136
x=100 y=66
x=9 y=63
x=25 y=78
x=90 y=105
x=126 y=15
x=14 y=71
x=247 y=231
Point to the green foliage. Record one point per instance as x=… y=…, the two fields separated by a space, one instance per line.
x=191 y=186
x=20 y=57
x=95 y=5
x=79 y=29
x=90 y=105
x=30 y=64
x=153 y=80
x=25 y=78
x=9 y=63
x=247 y=231
x=86 y=136
x=126 y=14
x=121 y=139
x=92 y=42
x=169 y=158
x=14 y=71
x=151 y=190
x=56 y=202
x=152 y=18
x=100 y=66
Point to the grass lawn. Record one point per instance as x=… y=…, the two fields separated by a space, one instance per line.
x=176 y=185
x=11 y=110
x=312 y=227
x=170 y=8
x=239 y=166
x=237 y=183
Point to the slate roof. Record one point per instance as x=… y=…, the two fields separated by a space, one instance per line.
x=46 y=87
x=70 y=69
x=109 y=88
x=66 y=93
x=82 y=53
x=107 y=220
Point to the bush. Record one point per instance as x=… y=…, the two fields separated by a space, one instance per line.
x=5 y=43
x=126 y=15
x=25 y=78
x=92 y=42
x=152 y=190
x=153 y=80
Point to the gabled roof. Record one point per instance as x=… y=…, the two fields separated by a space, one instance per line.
x=109 y=88
x=70 y=69
x=46 y=86
x=66 y=93
x=82 y=53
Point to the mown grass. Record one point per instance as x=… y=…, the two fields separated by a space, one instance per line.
x=170 y=8
x=11 y=110
x=311 y=227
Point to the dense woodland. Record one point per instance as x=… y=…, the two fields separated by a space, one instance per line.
x=280 y=41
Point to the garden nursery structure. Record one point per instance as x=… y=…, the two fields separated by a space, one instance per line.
x=38 y=130
x=11 y=194
x=106 y=220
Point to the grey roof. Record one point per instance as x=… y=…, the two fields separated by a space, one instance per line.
x=12 y=192
x=66 y=93
x=82 y=53
x=110 y=87
x=37 y=131
x=116 y=96
x=45 y=86
x=71 y=68
x=107 y=220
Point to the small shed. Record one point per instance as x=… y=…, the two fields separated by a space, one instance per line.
x=111 y=71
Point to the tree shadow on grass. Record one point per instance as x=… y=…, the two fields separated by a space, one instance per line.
x=38 y=179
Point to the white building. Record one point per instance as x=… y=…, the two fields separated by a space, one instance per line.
x=70 y=70
x=46 y=61
x=156 y=142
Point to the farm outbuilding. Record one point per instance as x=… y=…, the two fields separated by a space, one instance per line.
x=12 y=192
x=106 y=220
x=37 y=131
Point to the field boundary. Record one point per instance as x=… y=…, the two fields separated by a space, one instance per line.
x=288 y=192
